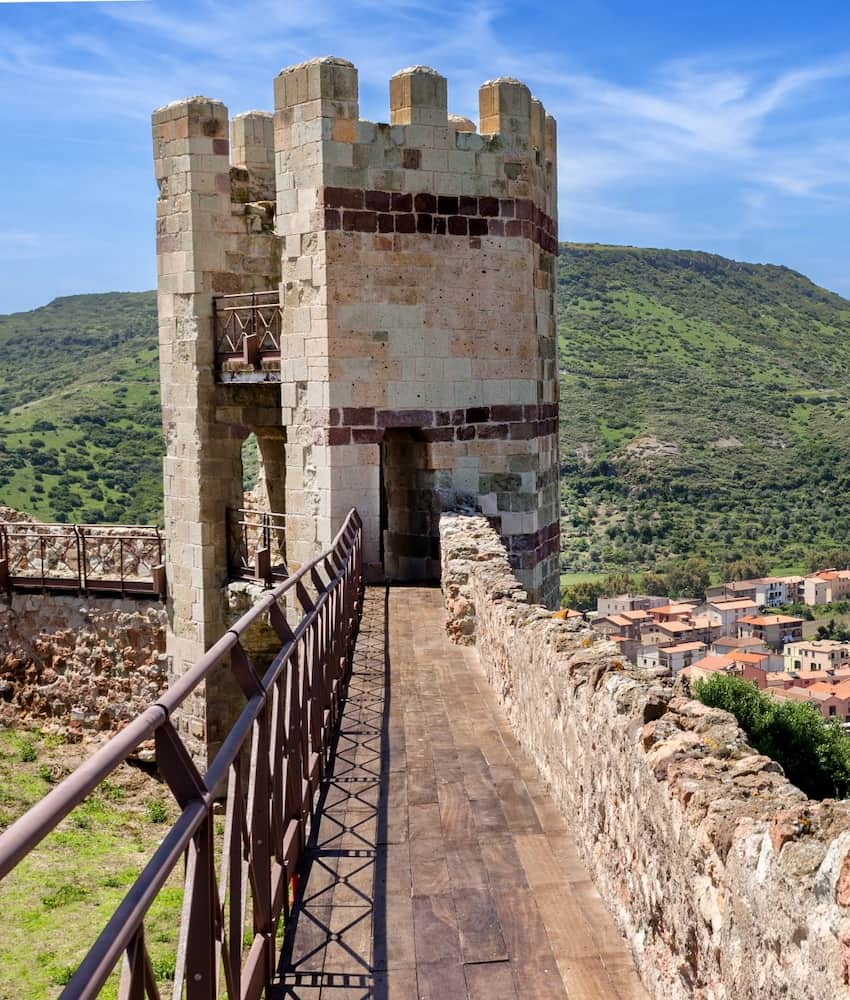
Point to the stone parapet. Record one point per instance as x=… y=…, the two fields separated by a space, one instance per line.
x=726 y=880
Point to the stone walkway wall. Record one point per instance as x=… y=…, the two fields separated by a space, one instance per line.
x=75 y=663
x=727 y=881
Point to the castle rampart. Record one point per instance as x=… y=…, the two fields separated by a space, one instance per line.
x=79 y=663
x=728 y=883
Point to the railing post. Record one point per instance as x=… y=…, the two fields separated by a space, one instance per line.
x=215 y=332
x=251 y=341
x=82 y=566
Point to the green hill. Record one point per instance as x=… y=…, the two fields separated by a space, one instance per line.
x=80 y=436
x=703 y=409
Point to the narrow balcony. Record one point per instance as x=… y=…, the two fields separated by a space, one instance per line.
x=100 y=559
x=247 y=329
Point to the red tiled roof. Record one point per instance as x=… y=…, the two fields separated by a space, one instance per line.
x=771 y=620
x=683 y=647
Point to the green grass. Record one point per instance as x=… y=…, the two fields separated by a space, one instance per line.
x=788 y=569
x=60 y=896
x=568 y=579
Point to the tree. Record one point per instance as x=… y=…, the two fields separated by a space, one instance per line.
x=814 y=754
x=654 y=584
x=832 y=630
x=746 y=568
x=582 y=596
x=687 y=578
x=618 y=583
x=832 y=558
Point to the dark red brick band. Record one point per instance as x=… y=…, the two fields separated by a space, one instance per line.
x=360 y=211
x=509 y=422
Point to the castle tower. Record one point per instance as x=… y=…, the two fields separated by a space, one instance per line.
x=411 y=269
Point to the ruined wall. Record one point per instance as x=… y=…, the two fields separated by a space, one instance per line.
x=79 y=662
x=727 y=881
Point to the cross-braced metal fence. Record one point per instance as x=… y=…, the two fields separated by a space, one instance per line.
x=268 y=769
x=256 y=544
x=247 y=327
x=90 y=558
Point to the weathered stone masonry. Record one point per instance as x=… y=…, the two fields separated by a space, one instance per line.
x=79 y=663
x=727 y=881
x=415 y=268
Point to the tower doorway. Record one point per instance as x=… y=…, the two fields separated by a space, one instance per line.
x=410 y=508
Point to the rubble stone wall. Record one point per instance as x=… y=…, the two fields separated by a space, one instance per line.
x=77 y=663
x=726 y=880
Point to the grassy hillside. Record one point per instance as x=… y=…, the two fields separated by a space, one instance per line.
x=704 y=409
x=80 y=435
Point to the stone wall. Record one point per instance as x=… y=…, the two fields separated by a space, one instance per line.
x=75 y=663
x=726 y=880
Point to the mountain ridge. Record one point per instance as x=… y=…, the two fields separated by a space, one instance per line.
x=702 y=408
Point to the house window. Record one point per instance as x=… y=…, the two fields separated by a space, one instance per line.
x=832 y=709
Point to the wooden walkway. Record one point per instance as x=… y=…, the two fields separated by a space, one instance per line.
x=440 y=868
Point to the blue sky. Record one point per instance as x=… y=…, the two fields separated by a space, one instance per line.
x=720 y=126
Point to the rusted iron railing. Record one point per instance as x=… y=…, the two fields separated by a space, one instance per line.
x=86 y=558
x=247 y=329
x=256 y=543
x=281 y=741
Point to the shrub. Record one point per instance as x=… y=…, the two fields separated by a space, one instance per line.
x=63 y=975
x=814 y=754
x=64 y=896
x=156 y=811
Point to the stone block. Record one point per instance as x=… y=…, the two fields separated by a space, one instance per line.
x=418 y=96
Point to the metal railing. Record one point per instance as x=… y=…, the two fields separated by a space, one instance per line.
x=247 y=328
x=256 y=543
x=281 y=740
x=86 y=558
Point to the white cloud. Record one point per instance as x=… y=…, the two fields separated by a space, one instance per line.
x=758 y=125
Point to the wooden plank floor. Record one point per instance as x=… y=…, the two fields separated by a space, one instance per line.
x=439 y=867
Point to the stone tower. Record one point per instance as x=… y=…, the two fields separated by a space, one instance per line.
x=397 y=350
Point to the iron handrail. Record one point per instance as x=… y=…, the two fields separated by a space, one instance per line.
x=287 y=725
x=66 y=556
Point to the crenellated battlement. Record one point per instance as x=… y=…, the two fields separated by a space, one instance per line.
x=421 y=150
